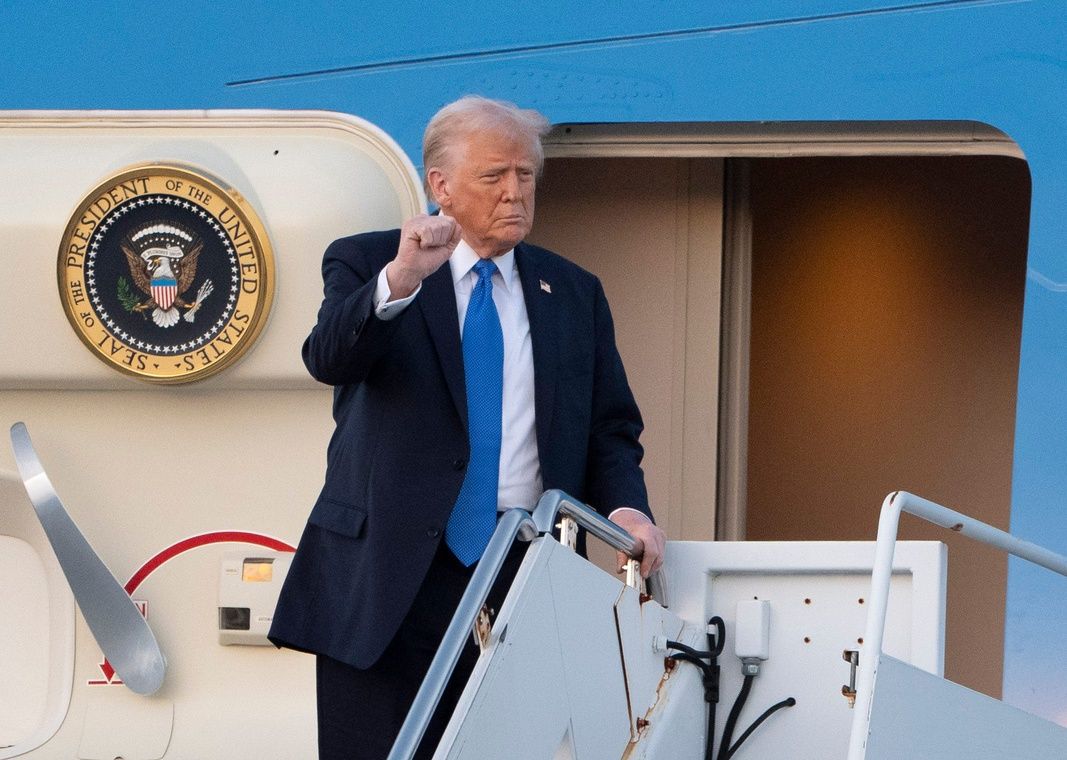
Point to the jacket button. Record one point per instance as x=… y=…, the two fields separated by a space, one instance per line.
x=433 y=532
x=459 y=464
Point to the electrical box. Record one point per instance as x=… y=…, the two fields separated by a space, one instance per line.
x=249 y=584
x=752 y=629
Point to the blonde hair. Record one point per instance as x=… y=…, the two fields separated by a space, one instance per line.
x=474 y=113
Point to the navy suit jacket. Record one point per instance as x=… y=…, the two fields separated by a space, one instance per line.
x=398 y=455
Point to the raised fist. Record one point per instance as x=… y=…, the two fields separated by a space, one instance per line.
x=426 y=242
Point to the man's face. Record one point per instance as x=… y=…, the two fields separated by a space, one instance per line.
x=489 y=190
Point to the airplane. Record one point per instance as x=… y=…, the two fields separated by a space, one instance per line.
x=833 y=240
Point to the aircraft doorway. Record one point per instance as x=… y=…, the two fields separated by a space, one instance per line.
x=886 y=316
x=651 y=229
x=812 y=317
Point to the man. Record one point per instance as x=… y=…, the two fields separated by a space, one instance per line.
x=435 y=431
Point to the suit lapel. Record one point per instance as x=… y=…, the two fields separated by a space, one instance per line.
x=437 y=299
x=544 y=338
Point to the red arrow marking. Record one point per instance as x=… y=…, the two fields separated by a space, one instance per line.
x=109 y=673
x=172 y=551
x=193 y=542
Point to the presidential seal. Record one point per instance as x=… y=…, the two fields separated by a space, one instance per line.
x=165 y=274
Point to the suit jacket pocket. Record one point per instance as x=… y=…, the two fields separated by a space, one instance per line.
x=338 y=517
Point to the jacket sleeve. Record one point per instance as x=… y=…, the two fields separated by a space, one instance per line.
x=348 y=338
x=613 y=476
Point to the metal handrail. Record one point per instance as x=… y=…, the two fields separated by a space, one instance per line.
x=555 y=502
x=117 y=625
x=888 y=524
x=512 y=524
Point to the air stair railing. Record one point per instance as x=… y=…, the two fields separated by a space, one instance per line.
x=555 y=503
x=515 y=523
x=888 y=523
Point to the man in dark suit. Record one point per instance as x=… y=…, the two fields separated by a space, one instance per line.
x=436 y=432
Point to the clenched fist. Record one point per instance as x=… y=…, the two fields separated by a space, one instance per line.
x=426 y=242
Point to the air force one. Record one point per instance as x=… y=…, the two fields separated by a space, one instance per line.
x=834 y=239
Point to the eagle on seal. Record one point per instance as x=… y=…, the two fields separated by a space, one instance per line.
x=162 y=260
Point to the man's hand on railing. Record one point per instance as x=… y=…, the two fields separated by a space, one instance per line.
x=650 y=540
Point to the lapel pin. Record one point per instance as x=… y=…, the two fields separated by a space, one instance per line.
x=546 y=287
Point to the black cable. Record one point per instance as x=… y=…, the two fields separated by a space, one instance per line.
x=688 y=649
x=731 y=720
x=716 y=643
x=686 y=657
x=709 y=744
x=756 y=724
x=709 y=671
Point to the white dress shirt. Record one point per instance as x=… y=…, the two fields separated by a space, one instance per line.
x=520 y=467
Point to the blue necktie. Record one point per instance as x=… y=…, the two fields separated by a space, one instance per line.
x=473 y=519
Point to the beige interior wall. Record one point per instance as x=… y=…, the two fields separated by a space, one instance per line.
x=886 y=316
x=651 y=229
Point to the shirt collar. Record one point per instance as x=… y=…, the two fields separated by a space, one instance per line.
x=464 y=258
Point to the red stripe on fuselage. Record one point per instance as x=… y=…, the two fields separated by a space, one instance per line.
x=193 y=542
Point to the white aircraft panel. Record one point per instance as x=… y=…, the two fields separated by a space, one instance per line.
x=23 y=640
x=518 y=687
x=310 y=176
x=918 y=716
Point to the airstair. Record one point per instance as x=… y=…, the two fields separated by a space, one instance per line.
x=810 y=650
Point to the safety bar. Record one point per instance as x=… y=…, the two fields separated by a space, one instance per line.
x=888 y=523
x=515 y=523
x=555 y=502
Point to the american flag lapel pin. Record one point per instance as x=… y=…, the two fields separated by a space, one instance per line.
x=546 y=287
